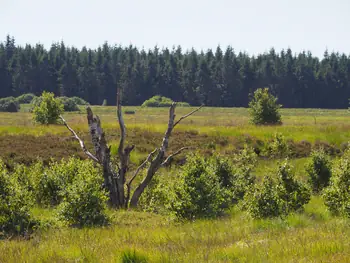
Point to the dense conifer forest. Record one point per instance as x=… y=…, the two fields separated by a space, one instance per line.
x=223 y=77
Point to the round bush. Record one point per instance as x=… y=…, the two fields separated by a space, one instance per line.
x=85 y=199
x=337 y=195
x=79 y=101
x=47 y=109
x=25 y=98
x=276 y=198
x=9 y=104
x=319 y=170
x=69 y=104
x=159 y=101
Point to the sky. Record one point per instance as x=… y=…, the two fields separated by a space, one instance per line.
x=253 y=26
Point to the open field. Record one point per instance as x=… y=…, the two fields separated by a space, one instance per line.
x=310 y=236
x=219 y=129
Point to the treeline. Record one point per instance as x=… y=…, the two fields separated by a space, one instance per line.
x=215 y=77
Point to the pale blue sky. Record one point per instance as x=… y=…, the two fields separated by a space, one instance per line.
x=253 y=26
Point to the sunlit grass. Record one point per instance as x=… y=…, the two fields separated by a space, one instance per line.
x=311 y=236
x=312 y=125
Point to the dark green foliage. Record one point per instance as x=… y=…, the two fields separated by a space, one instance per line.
x=201 y=194
x=277 y=197
x=9 y=105
x=203 y=188
x=159 y=101
x=15 y=203
x=318 y=170
x=221 y=78
x=337 y=195
x=69 y=104
x=48 y=109
x=130 y=256
x=79 y=101
x=85 y=200
x=25 y=98
x=264 y=109
x=129 y=112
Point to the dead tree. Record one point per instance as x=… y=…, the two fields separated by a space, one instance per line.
x=116 y=182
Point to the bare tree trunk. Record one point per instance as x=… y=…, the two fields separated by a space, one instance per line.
x=103 y=155
x=115 y=181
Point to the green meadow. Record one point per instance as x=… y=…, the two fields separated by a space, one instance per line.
x=313 y=235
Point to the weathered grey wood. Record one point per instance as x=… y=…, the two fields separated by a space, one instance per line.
x=115 y=179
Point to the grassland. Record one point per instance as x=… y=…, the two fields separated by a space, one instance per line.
x=311 y=236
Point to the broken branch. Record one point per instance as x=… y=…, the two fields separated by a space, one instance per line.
x=81 y=142
x=169 y=158
x=187 y=115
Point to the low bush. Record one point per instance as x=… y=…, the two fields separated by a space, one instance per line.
x=129 y=112
x=69 y=104
x=84 y=202
x=277 y=197
x=159 y=101
x=318 y=170
x=25 y=98
x=52 y=183
x=337 y=194
x=15 y=204
x=201 y=194
x=294 y=193
x=79 y=101
x=278 y=147
x=264 y=200
x=9 y=104
x=204 y=187
x=47 y=109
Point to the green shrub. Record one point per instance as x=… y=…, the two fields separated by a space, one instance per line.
x=129 y=112
x=337 y=194
x=159 y=101
x=295 y=194
x=85 y=199
x=242 y=180
x=277 y=198
x=130 y=256
x=14 y=205
x=25 y=98
x=318 y=170
x=263 y=108
x=264 y=200
x=79 y=101
x=48 y=109
x=69 y=104
x=278 y=147
x=54 y=180
x=199 y=192
x=104 y=103
x=9 y=104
